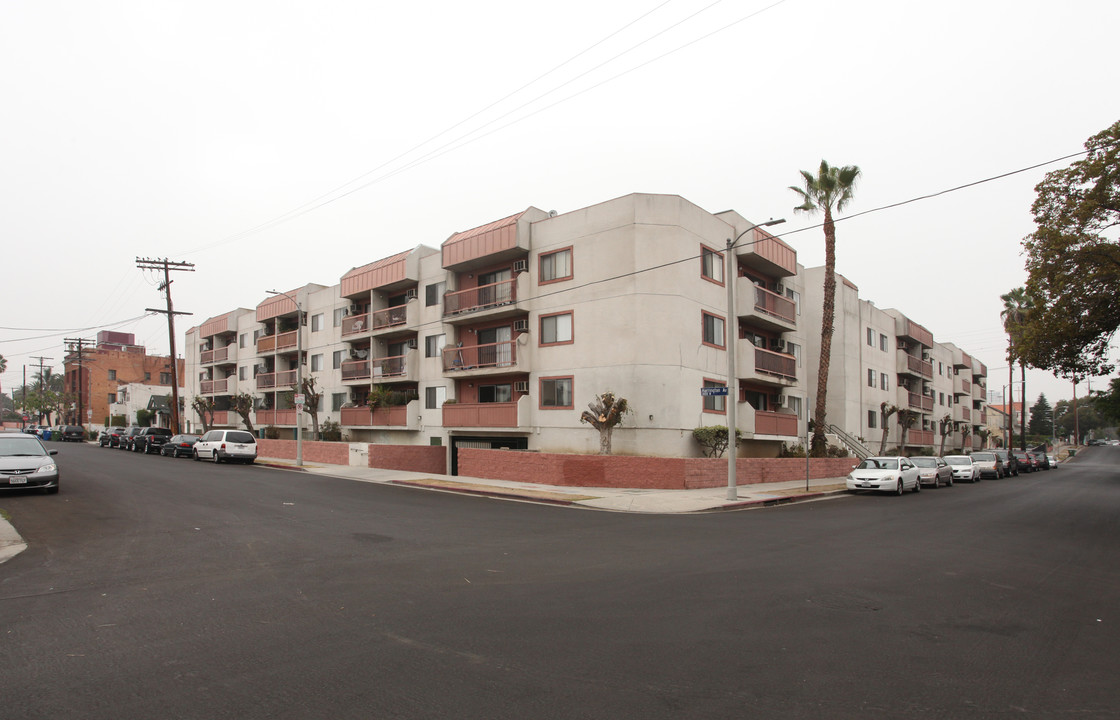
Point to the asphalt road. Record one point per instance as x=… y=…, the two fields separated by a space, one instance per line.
x=160 y=588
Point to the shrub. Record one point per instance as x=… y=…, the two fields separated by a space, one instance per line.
x=713 y=439
x=330 y=430
x=272 y=433
x=792 y=451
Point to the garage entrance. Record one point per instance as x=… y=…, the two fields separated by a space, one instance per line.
x=486 y=443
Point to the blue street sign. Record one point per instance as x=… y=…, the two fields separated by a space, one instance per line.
x=709 y=391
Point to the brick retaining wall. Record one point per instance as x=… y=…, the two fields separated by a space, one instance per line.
x=314 y=451
x=412 y=458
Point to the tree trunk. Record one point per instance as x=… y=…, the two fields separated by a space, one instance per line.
x=1023 y=417
x=248 y=422
x=605 y=440
x=883 y=443
x=1010 y=399
x=819 y=446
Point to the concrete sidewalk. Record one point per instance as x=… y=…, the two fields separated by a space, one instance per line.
x=616 y=499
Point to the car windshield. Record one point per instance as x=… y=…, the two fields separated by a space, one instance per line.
x=16 y=446
x=958 y=460
x=878 y=464
x=983 y=457
x=240 y=437
x=924 y=462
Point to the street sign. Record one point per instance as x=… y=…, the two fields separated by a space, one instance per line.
x=300 y=398
x=710 y=391
x=89 y=414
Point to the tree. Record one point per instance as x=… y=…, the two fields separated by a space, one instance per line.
x=205 y=409
x=243 y=404
x=3 y=369
x=143 y=417
x=831 y=188
x=966 y=433
x=1042 y=417
x=906 y=420
x=1017 y=306
x=945 y=426
x=713 y=439
x=885 y=412
x=311 y=400
x=1073 y=267
x=604 y=413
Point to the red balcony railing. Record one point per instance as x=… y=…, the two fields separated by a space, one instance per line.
x=222 y=417
x=920 y=437
x=214 y=387
x=363 y=416
x=389 y=317
x=773 y=304
x=282 y=379
x=355 y=370
x=773 y=363
x=502 y=354
x=480 y=415
x=355 y=324
x=213 y=356
x=920 y=402
x=271 y=343
x=918 y=366
x=276 y=417
x=479 y=298
x=772 y=423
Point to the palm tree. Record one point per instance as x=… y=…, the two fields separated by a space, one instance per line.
x=831 y=188
x=1017 y=305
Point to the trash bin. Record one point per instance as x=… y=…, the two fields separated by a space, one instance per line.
x=1072 y=452
x=46 y=434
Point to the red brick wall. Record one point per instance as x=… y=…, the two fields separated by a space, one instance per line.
x=413 y=458
x=314 y=451
x=639 y=472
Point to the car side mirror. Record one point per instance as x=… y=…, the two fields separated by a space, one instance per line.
x=52 y=452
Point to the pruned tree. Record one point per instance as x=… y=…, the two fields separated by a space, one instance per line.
x=244 y=403
x=311 y=399
x=906 y=420
x=885 y=412
x=604 y=413
x=832 y=188
x=713 y=439
x=945 y=427
x=205 y=409
x=966 y=435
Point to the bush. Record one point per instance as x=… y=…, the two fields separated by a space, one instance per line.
x=271 y=433
x=792 y=451
x=835 y=451
x=330 y=430
x=713 y=439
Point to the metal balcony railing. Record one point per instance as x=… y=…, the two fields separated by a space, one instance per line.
x=502 y=354
x=479 y=298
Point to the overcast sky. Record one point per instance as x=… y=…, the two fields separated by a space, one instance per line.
x=278 y=143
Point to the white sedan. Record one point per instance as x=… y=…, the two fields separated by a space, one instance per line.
x=963 y=468
x=888 y=474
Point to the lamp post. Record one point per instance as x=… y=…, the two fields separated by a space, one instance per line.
x=731 y=332
x=299 y=373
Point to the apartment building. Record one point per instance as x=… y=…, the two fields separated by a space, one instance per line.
x=881 y=356
x=502 y=335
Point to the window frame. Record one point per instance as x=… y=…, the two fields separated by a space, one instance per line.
x=712 y=403
x=705 y=253
x=541 y=342
x=704 y=315
x=542 y=280
x=541 y=395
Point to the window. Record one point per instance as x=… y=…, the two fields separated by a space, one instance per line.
x=434 y=293
x=882 y=342
x=433 y=345
x=165 y=378
x=942 y=398
x=495 y=393
x=336 y=359
x=872 y=419
x=113 y=375
x=757 y=400
x=713 y=330
x=940 y=368
x=870 y=377
x=715 y=403
x=556 y=392
x=241 y=339
x=256 y=336
x=317 y=322
x=434 y=397
x=870 y=337
x=112 y=398
x=794 y=403
x=337 y=401
x=795 y=350
x=796 y=297
x=883 y=381
x=316 y=363
x=556 y=266
x=147 y=377
x=711 y=265
x=556 y=329
x=242 y=373
x=337 y=316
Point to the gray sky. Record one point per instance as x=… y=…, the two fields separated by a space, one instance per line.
x=279 y=143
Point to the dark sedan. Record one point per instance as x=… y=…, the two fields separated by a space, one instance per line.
x=73 y=433
x=1026 y=462
x=110 y=437
x=179 y=446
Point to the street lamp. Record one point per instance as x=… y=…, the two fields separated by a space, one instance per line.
x=299 y=374
x=731 y=331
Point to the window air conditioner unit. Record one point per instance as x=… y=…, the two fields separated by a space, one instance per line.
x=901 y=344
x=410 y=294
x=355 y=310
x=520 y=266
x=778 y=345
x=925 y=355
x=521 y=325
x=521 y=386
x=780 y=288
x=412 y=343
x=781 y=401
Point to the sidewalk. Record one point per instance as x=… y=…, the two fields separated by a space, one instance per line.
x=616 y=499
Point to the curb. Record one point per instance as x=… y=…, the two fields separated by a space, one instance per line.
x=484 y=493
x=11 y=544
x=782 y=500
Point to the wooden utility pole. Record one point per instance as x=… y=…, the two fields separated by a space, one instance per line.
x=167 y=266
x=78 y=346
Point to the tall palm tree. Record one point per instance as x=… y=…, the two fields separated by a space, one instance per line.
x=832 y=188
x=1017 y=305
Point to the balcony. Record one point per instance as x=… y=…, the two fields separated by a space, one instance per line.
x=775 y=364
x=911 y=365
x=277 y=417
x=961 y=386
x=914 y=401
x=919 y=438
x=388 y=369
x=219 y=355
x=275 y=343
x=284 y=379
x=355 y=370
x=371 y=322
x=962 y=413
x=215 y=387
x=355 y=325
x=774 y=423
x=907 y=328
x=483 y=297
x=480 y=357
x=398 y=416
x=223 y=417
x=767 y=310
x=480 y=415
x=768 y=254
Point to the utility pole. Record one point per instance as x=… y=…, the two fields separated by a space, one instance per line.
x=78 y=345
x=167 y=266
x=42 y=382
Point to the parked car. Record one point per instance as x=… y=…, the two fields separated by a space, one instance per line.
x=1025 y=462
x=150 y=439
x=1041 y=459
x=179 y=445
x=26 y=463
x=933 y=471
x=110 y=437
x=125 y=442
x=1010 y=464
x=963 y=468
x=988 y=464
x=73 y=433
x=889 y=474
x=1053 y=460
x=31 y=429
x=226 y=445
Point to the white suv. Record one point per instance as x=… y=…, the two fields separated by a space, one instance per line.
x=219 y=445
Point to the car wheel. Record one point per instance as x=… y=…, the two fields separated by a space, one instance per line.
x=195 y=456
x=918 y=486
x=215 y=457
x=950 y=483
x=898 y=488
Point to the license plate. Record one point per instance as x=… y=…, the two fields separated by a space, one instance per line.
x=17 y=480
x=865 y=485
x=238 y=447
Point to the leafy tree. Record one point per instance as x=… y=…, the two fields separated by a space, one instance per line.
x=885 y=412
x=1042 y=417
x=1017 y=307
x=143 y=417
x=831 y=188
x=1107 y=403
x=713 y=439
x=243 y=404
x=1073 y=268
x=604 y=413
